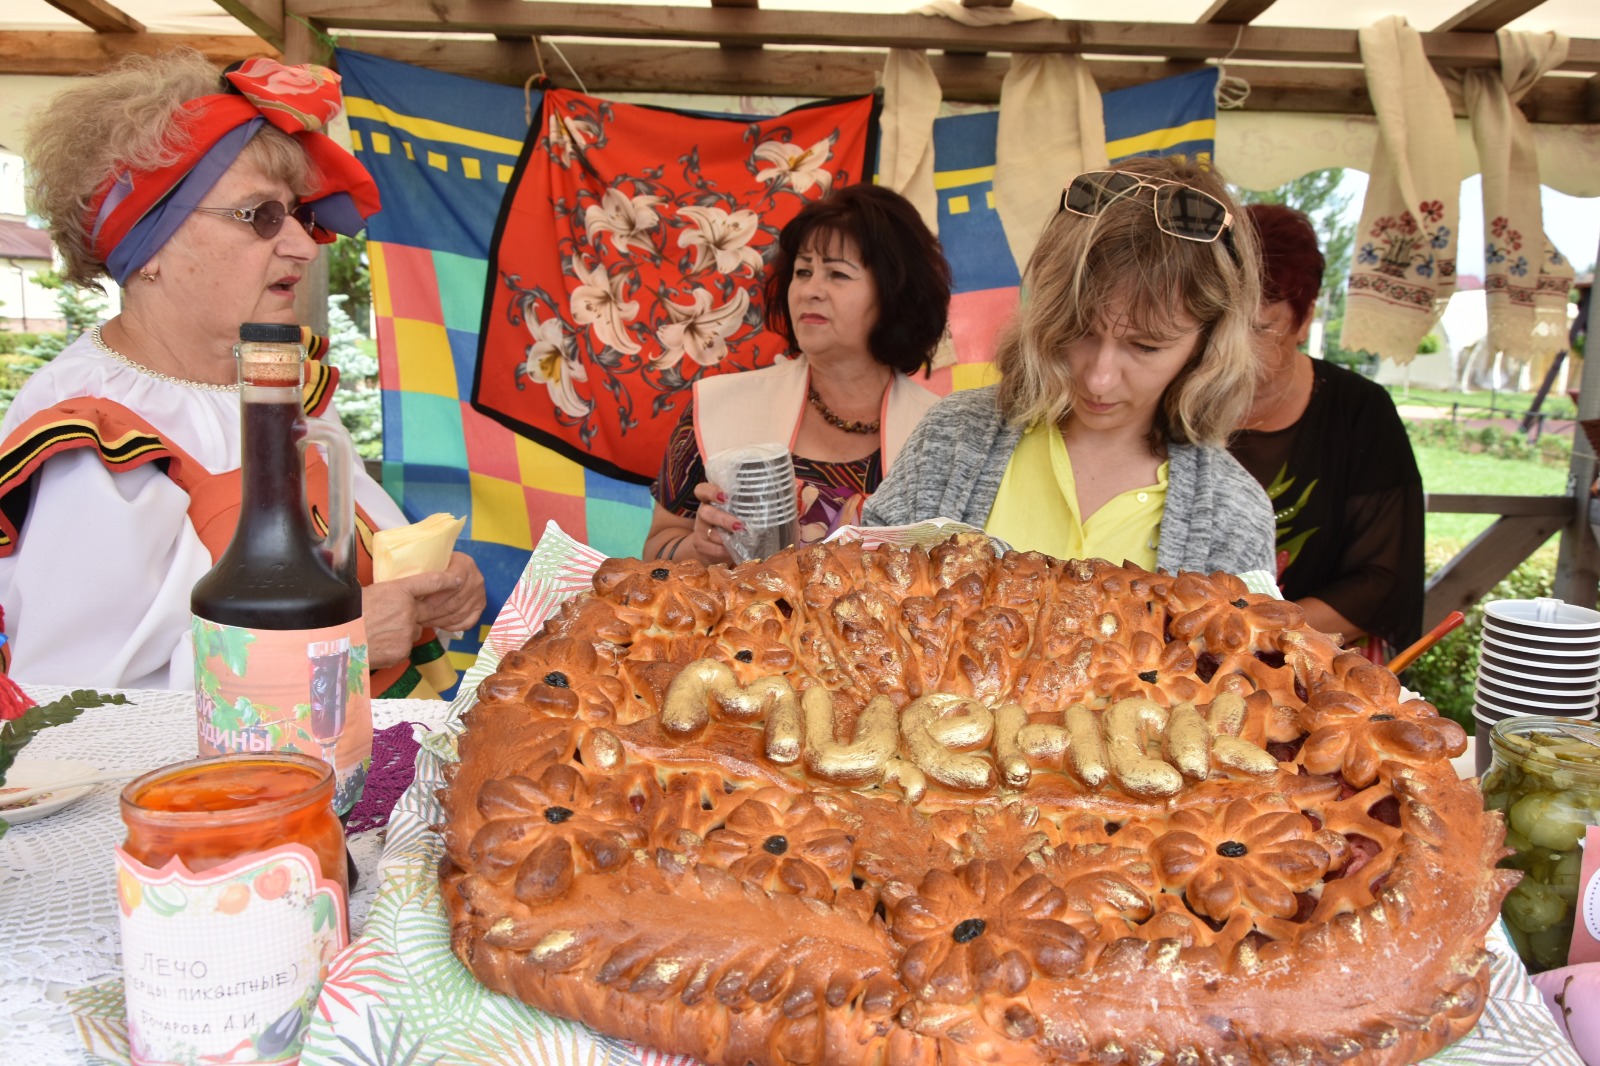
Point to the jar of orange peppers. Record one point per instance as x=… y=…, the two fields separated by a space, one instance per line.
x=233 y=895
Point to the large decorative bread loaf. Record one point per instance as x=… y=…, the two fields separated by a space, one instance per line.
x=897 y=806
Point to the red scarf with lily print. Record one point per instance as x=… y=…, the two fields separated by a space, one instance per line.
x=629 y=261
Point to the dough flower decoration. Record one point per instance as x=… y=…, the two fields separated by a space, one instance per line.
x=1354 y=746
x=542 y=831
x=1171 y=919
x=1226 y=616
x=983 y=929
x=1106 y=886
x=647 y=601
x=756 y=652
x=783 y=842
x=1074 y=829
x=1255 y=854
x=566 y=682
x=1146 y=667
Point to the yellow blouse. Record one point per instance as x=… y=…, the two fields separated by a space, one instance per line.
x=1036 y=508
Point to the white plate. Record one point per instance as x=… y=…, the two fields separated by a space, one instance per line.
x=34 y=773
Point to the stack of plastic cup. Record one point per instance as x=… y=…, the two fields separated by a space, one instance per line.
x=1539 y=658
x=761 y=494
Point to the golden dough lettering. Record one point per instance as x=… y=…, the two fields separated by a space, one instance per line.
x=685 y=712
x=862 y=759
x=934 y=724
x=960 y=743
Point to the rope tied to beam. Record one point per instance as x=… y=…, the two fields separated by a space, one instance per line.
x=1232 y=91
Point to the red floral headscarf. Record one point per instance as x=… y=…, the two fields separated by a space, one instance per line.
x=135 y=212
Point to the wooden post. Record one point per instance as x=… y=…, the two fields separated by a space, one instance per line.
x=300 y=45
x=1578 y=564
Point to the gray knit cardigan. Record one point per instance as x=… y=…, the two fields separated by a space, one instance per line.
x=1217 y=516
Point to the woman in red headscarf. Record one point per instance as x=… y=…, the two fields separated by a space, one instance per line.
x=206 y=199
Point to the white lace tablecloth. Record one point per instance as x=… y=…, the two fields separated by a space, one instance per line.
x=58 y=911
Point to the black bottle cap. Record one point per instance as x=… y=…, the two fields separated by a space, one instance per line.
x=269 y=333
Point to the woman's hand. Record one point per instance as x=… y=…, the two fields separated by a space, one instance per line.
x=711 y=524
x=390 y=610
x=675 y=536
x=458 y=609
x=396 y=612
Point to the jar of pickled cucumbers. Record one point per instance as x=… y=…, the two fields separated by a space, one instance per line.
x=1545 y=777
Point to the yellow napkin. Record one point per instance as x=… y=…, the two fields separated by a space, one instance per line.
x=415 y=549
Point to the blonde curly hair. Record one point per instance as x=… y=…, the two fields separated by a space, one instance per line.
x=124 y=119
x=1082 y=266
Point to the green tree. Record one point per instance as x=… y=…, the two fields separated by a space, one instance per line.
x=359 y=400
x=1317 y=194
x=81 y=307
x=350 y=277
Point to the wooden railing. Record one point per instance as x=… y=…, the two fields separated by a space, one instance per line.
x=1525 y=523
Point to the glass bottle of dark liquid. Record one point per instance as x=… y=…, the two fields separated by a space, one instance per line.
x=280 y=647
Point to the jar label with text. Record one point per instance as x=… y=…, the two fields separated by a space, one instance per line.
x=287 y=690
x=225 y=965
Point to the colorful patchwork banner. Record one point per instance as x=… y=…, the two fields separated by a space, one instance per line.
x=629 y=259
x=443 y=150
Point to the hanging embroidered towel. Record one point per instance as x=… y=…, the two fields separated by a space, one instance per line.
x=1051 y=129
x=629 y=258
x=1526 y=280
x=1405 y=261
x=911 y=98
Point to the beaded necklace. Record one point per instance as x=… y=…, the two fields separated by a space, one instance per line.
x=842 y=423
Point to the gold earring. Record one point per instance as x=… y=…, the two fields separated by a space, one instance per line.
x=146 y=275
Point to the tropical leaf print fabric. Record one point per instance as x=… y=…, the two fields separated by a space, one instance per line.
x=629 y=261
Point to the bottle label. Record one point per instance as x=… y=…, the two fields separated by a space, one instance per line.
x=287 y=690
x=225 y=965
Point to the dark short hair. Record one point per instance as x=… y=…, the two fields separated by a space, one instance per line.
x=1291 y=263
x=899 y=250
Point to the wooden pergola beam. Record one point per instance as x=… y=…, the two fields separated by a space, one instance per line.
x=968 y=78
x=99 y=16
x=1486 y=16
x=1181 y=41
x=69 y=53
x=264 y=18
x=1234 y=12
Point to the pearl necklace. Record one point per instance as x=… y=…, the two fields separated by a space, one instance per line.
x=208 y=386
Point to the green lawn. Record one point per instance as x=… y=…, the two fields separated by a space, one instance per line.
x=1478 y=404
x=1446 y=470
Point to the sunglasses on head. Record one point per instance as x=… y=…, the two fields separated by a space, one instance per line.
x=1180 y=211
x=267 y=219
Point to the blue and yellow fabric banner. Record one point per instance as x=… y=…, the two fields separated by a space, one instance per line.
x=443 y=149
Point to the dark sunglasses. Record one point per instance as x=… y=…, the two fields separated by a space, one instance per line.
x=267 y=219
x=1180 y=211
